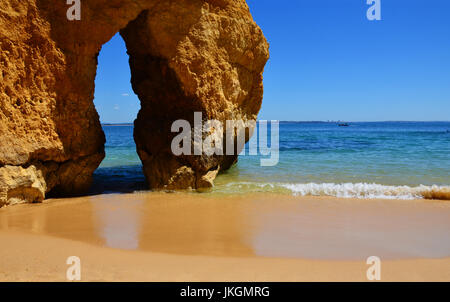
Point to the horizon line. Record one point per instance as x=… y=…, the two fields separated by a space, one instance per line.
x=313 y=121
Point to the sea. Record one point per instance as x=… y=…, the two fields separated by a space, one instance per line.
x=389 y=160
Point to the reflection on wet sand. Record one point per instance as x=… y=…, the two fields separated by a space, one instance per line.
x=199 y=226
x=165 y=223
x=156 y=222
x=70 y=218
x=246 y=225
x=118 y=223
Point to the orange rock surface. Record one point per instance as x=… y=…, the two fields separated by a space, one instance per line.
x=185 y=56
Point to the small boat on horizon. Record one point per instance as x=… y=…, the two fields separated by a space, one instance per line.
x=344 y=125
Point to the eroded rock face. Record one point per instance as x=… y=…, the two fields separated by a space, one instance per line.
x=19 y=185
x=185 y=56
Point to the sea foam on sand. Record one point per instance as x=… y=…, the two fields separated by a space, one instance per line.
x=365 y=190
x=346 y=190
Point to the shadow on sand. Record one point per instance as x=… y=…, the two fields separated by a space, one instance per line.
x=123 y=179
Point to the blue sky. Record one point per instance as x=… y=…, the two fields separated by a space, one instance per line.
x=328 y=62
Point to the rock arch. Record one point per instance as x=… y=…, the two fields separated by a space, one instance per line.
x=185 y=56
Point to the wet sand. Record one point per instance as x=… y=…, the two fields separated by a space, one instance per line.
x=200 y=237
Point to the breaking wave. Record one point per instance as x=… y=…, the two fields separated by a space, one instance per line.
x=344 y=190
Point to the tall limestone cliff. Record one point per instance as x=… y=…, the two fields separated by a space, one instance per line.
x=186 y=56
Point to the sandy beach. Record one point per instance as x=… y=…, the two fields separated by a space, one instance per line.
x=201 y=237
x=231 y=140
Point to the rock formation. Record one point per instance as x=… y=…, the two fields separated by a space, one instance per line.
x=185 y=56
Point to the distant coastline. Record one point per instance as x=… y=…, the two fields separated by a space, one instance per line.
x=309 y=122
x=355 y=122
x=118 y=124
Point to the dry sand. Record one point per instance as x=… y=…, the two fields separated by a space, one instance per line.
x=196 y=237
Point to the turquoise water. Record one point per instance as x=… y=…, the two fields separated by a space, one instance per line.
x=367 y=160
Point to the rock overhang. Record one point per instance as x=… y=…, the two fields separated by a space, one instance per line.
x=185 y=56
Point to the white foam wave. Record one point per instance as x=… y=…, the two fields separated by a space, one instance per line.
x=343 y=190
